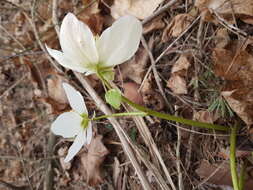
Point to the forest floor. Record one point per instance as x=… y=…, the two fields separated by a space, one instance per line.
x=195 y=60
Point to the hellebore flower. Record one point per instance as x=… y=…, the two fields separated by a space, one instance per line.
x=83 y=52
x=74 y=123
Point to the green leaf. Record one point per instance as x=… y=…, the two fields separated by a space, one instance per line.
x=113 y=97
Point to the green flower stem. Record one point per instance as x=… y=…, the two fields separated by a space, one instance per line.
x=120 y=115
x=166 y=116
x=242 y=176
x=174 y=118
x=233 y=167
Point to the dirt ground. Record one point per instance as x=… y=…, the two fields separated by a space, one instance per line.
x=194 y=61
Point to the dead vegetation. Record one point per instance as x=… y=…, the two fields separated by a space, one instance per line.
x=195 y=61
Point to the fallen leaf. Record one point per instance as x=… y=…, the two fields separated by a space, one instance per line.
x=222 y=38
x=178 y=24
x=155 y=24
x=138 y=8
x=135 y=68
x=93 y=159
x=177 y=82
x=151 y=97
x=219 y=175
x=241 y=106
x=226 y=9
x=237 y=69
x=204 y=116
x=131 y=91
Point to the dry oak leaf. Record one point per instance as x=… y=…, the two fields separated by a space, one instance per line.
x=241 y=9
x=178 y=24
x=138 y=8
x=93 y=159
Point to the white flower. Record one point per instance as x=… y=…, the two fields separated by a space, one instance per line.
x=84 y=53
x=74 y=123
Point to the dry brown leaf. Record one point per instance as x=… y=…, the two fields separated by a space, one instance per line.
x=151 y=97
x=138 y=8
x=181 y=65
x=240 y=106
x=178 y=24
x=131 y=91
x=177 y=82
x=93 y=159
x=135 y=68
x=204 y=116
x=241 y=9
x=219 y=175
x=155 y=24
x=222 y=38
x=237 y=69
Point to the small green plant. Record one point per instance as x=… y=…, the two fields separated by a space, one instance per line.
x=220 y=106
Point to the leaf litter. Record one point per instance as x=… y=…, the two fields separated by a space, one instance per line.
x=28 y=108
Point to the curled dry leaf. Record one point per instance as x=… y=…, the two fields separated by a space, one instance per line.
x=177 y=82
x=178 y=24
x=93 y=159
x=241 y=9
x=131 y=91
x=138 y=8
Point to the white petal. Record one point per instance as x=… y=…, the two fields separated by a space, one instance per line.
x=118 y=43
x=67 y=125
x=77 y=40
x=79 y=141
x=76 y=100
x=89 y=133
x=65 y=61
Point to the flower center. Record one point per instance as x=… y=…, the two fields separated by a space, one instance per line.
x=85 y=120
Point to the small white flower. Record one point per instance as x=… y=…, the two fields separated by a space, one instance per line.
x=84 y=53
x=74 y=123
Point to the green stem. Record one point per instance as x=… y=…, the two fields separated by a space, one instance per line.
x=242 y=176
x=167 y=116
x=174 y=118
x=233 y=167
x=120 y=115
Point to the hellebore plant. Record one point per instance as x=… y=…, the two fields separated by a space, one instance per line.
x=74 y=123
x=85 y=53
